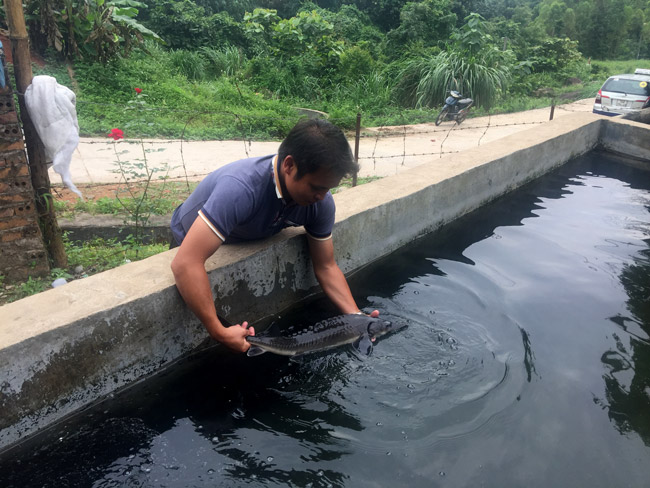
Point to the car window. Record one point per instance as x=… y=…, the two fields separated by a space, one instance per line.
x=631 y=87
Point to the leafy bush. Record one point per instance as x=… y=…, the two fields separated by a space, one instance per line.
x=307 y=33
x=356 y=62
x=554 y=54
x=428 y=21
x=183 y=24
x=91 y=29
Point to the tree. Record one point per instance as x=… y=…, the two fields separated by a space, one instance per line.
x=554 y=54
x=384 y=13
x=95 y=29
x=598 y=35
x=306 y=32
x=428 y=21
x=185 y=25
x=552 y=17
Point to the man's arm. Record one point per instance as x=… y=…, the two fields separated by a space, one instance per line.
x=330 y=276
x=193 y=284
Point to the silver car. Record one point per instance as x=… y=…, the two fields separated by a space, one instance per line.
x=624 y=94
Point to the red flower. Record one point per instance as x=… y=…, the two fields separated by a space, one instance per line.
x=138 y=90
x=116 y=134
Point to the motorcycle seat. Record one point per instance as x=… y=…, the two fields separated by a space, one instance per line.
x=465 y=100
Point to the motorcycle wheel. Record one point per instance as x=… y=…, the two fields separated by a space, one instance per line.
x=442 y=115
x=461 y=116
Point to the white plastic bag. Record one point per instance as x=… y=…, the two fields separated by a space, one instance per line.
x=52 y=109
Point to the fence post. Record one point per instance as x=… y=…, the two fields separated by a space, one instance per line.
x=356 y=147
x=552 y=109
x=35 y=150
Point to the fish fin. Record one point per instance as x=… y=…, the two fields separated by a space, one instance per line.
x=255 y=351
x=364 y=344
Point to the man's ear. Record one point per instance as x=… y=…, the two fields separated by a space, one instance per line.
x=288 y=166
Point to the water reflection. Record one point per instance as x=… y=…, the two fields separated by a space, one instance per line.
x=628 y=377
x=529 y=356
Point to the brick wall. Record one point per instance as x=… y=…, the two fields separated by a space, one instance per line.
x=22 y=252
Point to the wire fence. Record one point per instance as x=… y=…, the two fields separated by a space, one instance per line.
x=387 y=148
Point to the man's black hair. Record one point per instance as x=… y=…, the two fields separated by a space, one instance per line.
x=318 y=144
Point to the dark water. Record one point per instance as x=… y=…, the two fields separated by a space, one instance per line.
x=526 y=363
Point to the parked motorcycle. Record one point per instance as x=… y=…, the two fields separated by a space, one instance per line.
x=455 y=108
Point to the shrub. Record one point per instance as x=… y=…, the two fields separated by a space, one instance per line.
x=185 y=25
x=554 y=54
x=424 y=82
x=355 y=62
x=189 y=64
x=228 y=61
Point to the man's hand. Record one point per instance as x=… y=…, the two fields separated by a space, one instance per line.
x=234 y=337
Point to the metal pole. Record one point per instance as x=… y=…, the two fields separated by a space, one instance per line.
x=35 y=150
x=356 y=147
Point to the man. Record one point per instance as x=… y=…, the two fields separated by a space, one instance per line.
x=255 y=198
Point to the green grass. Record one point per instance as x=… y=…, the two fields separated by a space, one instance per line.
x=172 y=104
x=93 y=256
x=178 y=101
x=604 y=69
x=161 y=199
x=347 y=183
x=101 y=254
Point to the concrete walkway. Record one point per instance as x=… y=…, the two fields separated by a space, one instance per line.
x=383 y=151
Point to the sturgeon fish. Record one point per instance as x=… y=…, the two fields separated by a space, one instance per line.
x=357 y=329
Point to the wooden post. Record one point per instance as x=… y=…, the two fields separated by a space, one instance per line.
x=552 y=109
x=35 y=150
x=356 y=147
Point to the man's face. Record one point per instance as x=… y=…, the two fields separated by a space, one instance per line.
x=309 y=189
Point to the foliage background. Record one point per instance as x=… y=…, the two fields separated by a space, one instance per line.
x=238 y=68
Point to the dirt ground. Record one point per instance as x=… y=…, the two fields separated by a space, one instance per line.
x=90 y=192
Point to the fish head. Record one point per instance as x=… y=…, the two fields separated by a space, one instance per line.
x=378 y=327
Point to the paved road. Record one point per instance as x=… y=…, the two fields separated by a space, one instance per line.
x=382 y=151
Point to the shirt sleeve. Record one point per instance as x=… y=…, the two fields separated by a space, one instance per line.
x=321 y=222
x=230 y=204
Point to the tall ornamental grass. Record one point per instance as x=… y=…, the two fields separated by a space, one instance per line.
x=426 y=81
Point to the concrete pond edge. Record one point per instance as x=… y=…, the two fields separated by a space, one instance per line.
x=65 y=348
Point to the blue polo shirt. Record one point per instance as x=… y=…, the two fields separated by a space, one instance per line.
x=243 y=201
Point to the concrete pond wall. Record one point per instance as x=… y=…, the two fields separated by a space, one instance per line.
x=68 y=347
